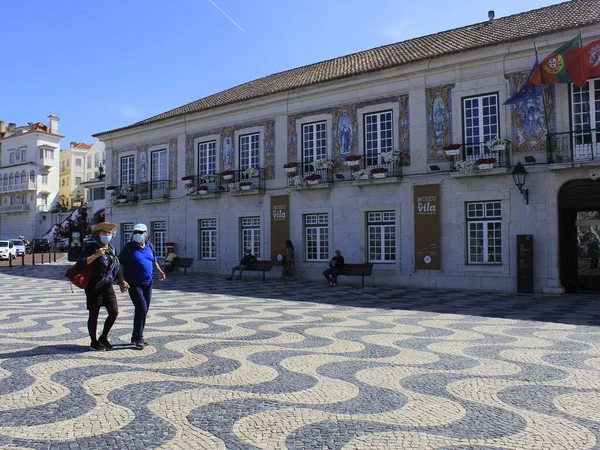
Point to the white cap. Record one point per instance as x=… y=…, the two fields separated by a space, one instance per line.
x=140 y=227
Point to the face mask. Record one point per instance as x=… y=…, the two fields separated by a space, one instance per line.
x=139 y=238
x=105 y=239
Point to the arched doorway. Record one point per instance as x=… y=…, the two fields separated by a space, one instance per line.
x=578 y=227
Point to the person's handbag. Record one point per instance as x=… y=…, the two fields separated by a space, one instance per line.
x=79 y=277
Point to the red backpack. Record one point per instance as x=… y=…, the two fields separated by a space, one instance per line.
x=79 y=277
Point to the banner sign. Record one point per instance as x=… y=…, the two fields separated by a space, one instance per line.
x=280 y=226
x=427 y=227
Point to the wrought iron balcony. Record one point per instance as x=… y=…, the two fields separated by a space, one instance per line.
x=367 y=167
x=475 y=152
x=152 y=190
x=574 y=146
x=241 y=180
x=14 y=208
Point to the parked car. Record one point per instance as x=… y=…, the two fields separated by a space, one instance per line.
x=40 y=245
x=7 y=249
x=20 y=246
x=62 y=245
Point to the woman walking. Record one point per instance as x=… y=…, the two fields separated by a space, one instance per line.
x=289 y=261
x=100 y=290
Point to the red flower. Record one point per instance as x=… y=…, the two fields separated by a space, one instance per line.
x=203 y=188
x=290 y=165
x=485 y=161
x=379 y=170
x=246 y=183
x=187 y=178
x=352 y=158
x=313 y=177
x=227 y=172
x=451 y=147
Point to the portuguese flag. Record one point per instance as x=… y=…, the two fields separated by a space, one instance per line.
x=553 y=69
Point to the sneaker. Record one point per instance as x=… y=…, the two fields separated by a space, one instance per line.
x=330 y=283
x=103 y=340
x=333 y=284
x=139 y=344
x=97 y=346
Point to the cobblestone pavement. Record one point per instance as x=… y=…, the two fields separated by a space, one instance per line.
x=298 y=365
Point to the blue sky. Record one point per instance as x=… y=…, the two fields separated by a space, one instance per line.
x=108 y=64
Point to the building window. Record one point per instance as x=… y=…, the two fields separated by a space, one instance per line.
x=250 y=228
x=208 y=239
x=44 y=178
x=314 y=143
x=89 y=162
x=127 y=232
x=127 y=170
x=18 y=155
x=316 y=228
x=159 y=165
x=11 y=157
x=249 y=151
x=11 y=179
x=98 y=193
x=585 y=107
x=484 y=225
x=78 y=162
x=44 y=200
x=381 y=232
x=23 y=155
x=379 y=136
x=480 y=122
x=159 y=237
x=77 y=180
x=17 y=178
x=207 y=157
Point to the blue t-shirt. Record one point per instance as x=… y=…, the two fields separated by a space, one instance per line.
x=138 y=263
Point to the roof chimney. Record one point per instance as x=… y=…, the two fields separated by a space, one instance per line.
x=73 y=144
x=491 y=15
x=2 y=127
x=53 y=125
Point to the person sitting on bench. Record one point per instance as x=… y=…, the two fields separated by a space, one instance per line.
x=248 y=259
x=335 y=264
x=167 y=265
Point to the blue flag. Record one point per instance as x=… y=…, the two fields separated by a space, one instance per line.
x=528 y=90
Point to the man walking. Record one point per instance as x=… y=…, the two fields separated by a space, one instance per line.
x=138 y=262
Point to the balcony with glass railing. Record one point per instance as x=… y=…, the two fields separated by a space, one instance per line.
x=19 y=187
x=14 y=208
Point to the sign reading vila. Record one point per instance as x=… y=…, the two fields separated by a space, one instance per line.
x=427 y=227
x=280 y=225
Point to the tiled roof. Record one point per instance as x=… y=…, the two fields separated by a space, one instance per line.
x=83 y=145
x=527 y=25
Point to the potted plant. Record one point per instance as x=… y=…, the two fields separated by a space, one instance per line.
x=207 y=178
x=203 y=189
x=391 y=157
x=313 y=179
x=126 y=188
x=227 y=174
x=111 y=188
x=464 y=166
x=497 y=144
x=297 y=181
x=245 y=185
x=250 y=172
x=121 y=198
x=352 y=160
x=322 y=164
x=451 y=149
x=362 y=174
x=290 y=167
x=485 y=163
x=379 y=172
x=188 y=180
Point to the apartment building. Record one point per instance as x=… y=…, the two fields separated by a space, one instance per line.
x=403 y=156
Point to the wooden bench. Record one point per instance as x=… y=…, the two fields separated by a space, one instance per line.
x=357 y=270
x=259 y=266
x=186 y=263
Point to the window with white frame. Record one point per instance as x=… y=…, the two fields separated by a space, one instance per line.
x=208 y=239
x=249 y=151
x=381 y=232
x=207 y=157
x=250 y=229
x=11 y=179
x=88 y=162
x=314 y=143
x=484 y=225
x=23 y=155
x=127 y=170
x=585 y=110
x=43 y=179
x=77 y=180
x=11 y=158
x=17 y=178
x=159 y=165
x=18 y=155
x=77 y=162
x=480 y=122
x=127 y=232
x=47 y=153
x=44 y=200
x=379 y=135
x=316 y=237
x=159 y=237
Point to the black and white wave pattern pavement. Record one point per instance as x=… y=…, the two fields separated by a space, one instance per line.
x=298 y=365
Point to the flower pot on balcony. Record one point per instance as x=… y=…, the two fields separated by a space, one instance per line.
x=453 y=152
x=245 y=186
x=312 y=181
x=353 y=162
x=379 y=175
x=485 y=166
x=203 y=190
x=290 y=169
x=498 y=147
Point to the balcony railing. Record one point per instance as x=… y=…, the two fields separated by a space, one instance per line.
x=152 y=190
x=473 y=152
x=14 y=208
x=239 y=178
x=360 y=169
x=574 y=146
x=43 y=208
x=28 y=186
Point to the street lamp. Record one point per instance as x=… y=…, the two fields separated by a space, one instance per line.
x=519 y=175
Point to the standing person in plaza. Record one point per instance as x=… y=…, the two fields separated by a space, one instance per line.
x=100 y=292
x=138 y=262
x=335 y=264
x=289 y=261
